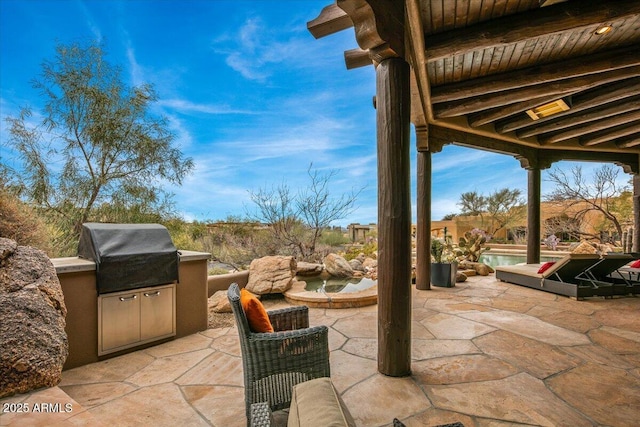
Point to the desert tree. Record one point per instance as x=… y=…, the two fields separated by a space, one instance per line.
x=503 y=208
x=95 y=143
x=298 y=219
x=579 y=195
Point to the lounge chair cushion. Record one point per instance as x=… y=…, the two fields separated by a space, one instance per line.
x=316 y=403
x=531 y=270
x=256 y=314
x=544 y=267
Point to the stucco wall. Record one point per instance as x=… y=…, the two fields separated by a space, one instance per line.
x=77 y=278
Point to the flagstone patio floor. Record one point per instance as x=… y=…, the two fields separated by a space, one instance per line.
x=484 y=353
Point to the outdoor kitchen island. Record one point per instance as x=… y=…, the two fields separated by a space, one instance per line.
x=78 y=280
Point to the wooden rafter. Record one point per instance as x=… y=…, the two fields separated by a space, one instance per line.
x=581 y=66
x=632 y=140
x=609 y=110
x=594 y=98
x=599 y=128
x=559 y=88
x=613 y=133
x=511 y=29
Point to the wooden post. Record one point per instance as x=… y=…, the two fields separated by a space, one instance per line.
x=394 y=218
x=423 y=200
x=533 y=216
x=635 y=235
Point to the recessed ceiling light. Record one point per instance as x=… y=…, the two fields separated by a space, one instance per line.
x=549 y=109
x=602 y=30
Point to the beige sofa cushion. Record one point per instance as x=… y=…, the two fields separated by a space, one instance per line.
x=316 y=403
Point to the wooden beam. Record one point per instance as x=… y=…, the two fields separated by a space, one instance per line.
x=610 y=134
x=611 y=109
x=636 y=214
x=584 y=65
x=533 y=215
x=423 y=210
x=417 y=49
x=331 y=20
x=394 y=217
x=596 y=127
x=580 y=102
x=379 y=26
x=629 y=163
x=511 y=29
x=560 y=88
x=531 y=157
x=632 y=140
x=439 y=135
x=356 y=58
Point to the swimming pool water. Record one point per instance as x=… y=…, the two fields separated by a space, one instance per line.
x=508 y=259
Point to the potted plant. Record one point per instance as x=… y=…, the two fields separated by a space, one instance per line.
x=444 y=266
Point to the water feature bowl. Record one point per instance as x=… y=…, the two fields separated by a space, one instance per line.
x=333 y=293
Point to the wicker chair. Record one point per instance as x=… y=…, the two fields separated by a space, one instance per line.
x=274 y=362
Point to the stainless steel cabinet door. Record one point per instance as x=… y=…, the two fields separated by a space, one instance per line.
x=120 y=320
x=157 y=310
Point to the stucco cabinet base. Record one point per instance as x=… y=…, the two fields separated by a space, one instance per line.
x=78 y=280
x=131 y=318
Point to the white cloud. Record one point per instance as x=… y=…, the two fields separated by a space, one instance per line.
x=186 y=106
x=93 y=27
x=256 y=46
x=135 y=70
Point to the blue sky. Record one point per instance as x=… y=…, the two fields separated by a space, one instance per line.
x=251 y=96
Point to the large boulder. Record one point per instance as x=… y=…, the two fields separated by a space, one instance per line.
x=219 y=302
x=271 y=274
x=337 y=266
x=34 y=343
x=309 y=269
x=356 y=265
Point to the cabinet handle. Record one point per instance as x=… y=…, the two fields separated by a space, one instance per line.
x=132 y=297
x=154 y=294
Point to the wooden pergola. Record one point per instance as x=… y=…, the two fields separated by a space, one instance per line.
x=541 y=80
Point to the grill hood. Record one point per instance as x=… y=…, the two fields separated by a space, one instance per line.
x=129 y=256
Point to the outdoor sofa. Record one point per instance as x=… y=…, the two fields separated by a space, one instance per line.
x=574 y=275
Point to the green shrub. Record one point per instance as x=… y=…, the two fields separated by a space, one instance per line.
x=19 y=222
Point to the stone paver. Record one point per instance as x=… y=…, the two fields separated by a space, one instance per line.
x=446 y=326
x=528 y=326
x=537 y=358
x=461 y=369
x=520 y=398
x=392 y=398
x=485 y=353
x=608 y=395
x=159 y=405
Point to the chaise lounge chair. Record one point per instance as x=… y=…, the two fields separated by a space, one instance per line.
x=575 y=275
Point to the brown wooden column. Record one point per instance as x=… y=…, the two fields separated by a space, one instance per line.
x=533 y=216
x=423 y=201
x=636 y=214
x=394 y=218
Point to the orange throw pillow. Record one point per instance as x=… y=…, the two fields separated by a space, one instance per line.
x=635 y=264
x=254 y=310
x=544 y=267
